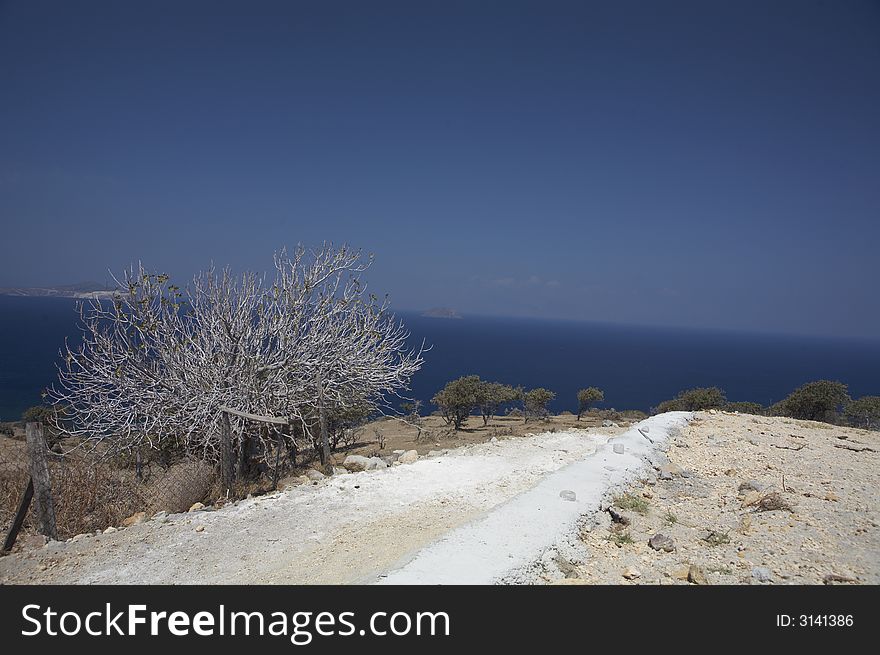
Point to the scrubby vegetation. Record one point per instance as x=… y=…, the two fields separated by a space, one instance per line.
x=864 y=412
x=587 y=398
x=821 y=400
x=692 y=400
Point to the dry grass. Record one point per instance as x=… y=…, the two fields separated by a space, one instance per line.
x=90 y=494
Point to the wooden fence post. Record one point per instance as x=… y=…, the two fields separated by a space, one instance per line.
x=227 y=456
x=38 y=455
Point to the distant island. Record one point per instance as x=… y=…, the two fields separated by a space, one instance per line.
x=441 y=312
x=83 y=290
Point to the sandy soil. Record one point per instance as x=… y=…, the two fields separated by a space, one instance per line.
x=721 y=467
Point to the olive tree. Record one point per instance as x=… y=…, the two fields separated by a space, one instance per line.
x=587 y=397
x=535 y=403
x=158 y=362
x=491 y=396
x=458 y=399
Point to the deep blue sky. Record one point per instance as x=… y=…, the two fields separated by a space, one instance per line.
x=679 y=163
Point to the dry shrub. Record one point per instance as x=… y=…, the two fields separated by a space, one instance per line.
x=92 y=495
x=180 y=486
x=771 y=502
x=14 y=477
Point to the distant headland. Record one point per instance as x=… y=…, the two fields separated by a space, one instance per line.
x=81 y=290
x=441 y=312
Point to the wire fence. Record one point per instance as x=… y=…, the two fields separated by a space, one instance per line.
x=91 y=492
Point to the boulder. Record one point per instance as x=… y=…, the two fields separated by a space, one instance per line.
x=110 y=530
x=662 y=542
x=356 y=463
x=409 y=457
x=195 y=507
x=134 y=519
x=434 y=453
x=376 y=463
x=315 y=475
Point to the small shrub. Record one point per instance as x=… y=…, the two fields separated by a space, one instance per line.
x=864 y=412
x=717 y=538
x=632 y=503
x=620 y=538
x=693 y=400
x=670 y=519
x=746 y=408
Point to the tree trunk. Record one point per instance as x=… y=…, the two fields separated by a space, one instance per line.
x=322 y=419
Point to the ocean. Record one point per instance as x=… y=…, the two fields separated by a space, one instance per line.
x=637 y=367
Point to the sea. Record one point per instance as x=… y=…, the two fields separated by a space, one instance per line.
x=636 y=366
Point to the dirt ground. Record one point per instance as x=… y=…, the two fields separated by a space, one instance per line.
x=747 y=500
x=400 y=435
x=737 y=499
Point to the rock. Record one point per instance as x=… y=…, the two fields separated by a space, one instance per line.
x=434 y=453
x=356 y=463
x=568 y=494
x=645 y=428
x=618 y=448
x=315 y=475
x=762 y=574
x=160 y=516
x=669 y=470
x=302 y=479
x=134 y=519
x=200 y=528
x=696 y=575
x=751 y=498
x=80 y=537
x=375 y=464
x=409 y=457
x=110 y=530
x=398 y=452
x=338 y=470
x=647 y=494
x=195 y=507
x=493 y=440
x=680 y=573
x=617 y=517
x=606 y=423
x=631 y=573
x=751 y=485
x=831 y=497
x=662 y=542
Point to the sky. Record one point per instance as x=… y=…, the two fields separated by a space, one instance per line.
x=703 y=164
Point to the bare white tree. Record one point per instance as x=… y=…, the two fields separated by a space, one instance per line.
x=159 y=362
